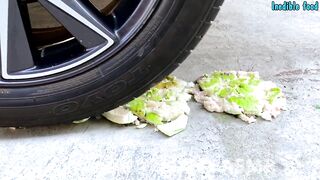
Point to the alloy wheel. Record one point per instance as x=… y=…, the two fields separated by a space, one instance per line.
x=49 y=40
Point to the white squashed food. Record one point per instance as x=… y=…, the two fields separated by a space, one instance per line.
x=120 y=115
x=81 y=121
x=174 y=127
x=240 y=93
x=164 y=106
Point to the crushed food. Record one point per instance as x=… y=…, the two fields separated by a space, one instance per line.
x=120 y=115
x=81 y=121
x=163 y=106
x=242 y=94
x=174 y=127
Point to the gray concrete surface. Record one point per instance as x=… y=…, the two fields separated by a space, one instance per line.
x=283 y=47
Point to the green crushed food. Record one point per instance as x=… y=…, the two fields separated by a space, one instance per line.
x=163 y=94
x=154 y=118
x=137 y=106
x=234 y=88
x=165 y=106
x=160 y=106
x=240 y=93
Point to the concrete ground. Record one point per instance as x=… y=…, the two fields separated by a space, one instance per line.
x=247 y=35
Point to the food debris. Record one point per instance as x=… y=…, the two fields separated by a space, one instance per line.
x=240 y=93
x=163 y=106
x=12 y=128
x=142 y=125
x=81 y=121
x=175 y=126
x=318 y=107
x=120 y=115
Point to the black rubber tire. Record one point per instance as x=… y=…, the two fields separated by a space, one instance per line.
x=174 y=29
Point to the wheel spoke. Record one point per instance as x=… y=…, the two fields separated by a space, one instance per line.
x=14 y=41
x=81 y=21
x=88 y=34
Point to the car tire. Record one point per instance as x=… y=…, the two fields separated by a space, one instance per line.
x=166 y=39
